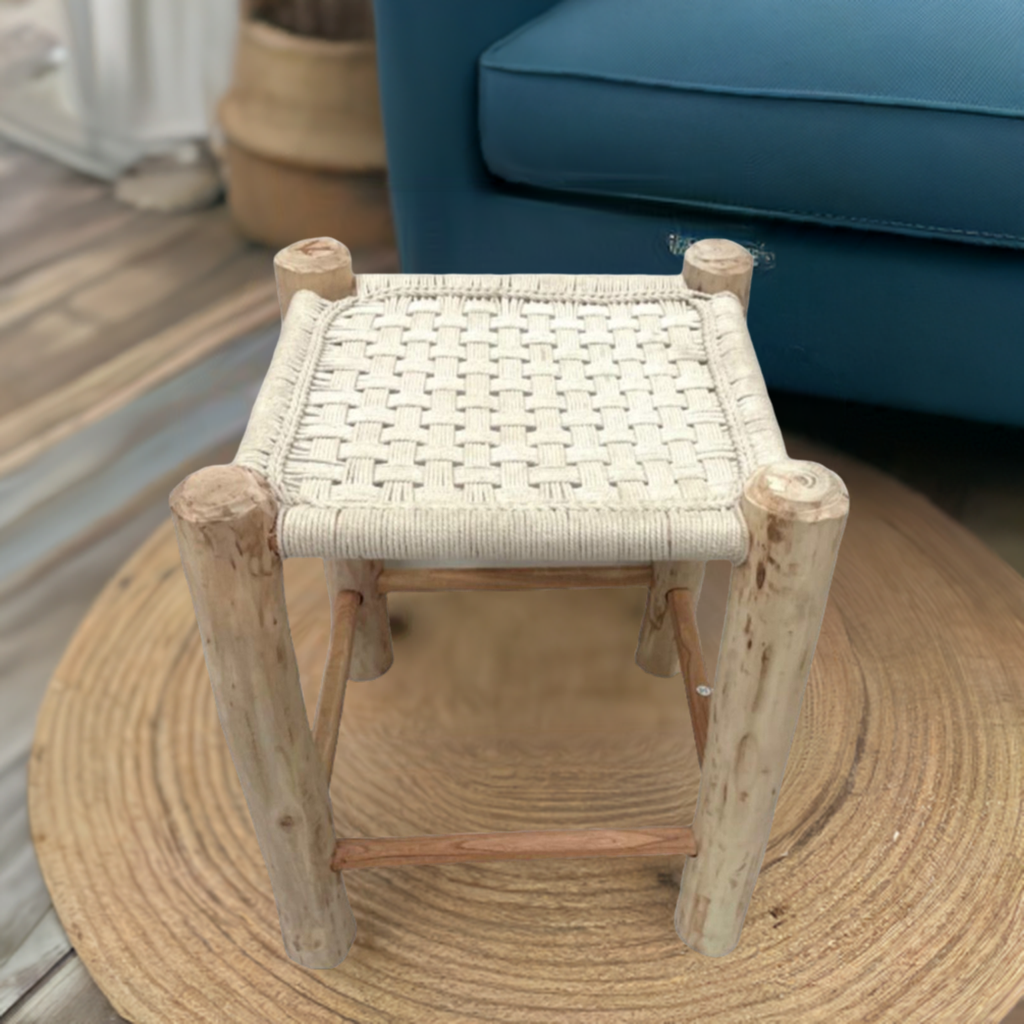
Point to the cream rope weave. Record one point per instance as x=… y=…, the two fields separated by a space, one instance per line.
x=513 y=420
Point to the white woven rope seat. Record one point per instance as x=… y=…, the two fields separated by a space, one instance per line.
x=513 y=420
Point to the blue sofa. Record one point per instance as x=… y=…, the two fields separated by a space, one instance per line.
x=870 y=153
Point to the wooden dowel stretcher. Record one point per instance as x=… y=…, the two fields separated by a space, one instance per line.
x=698 y=693
x=571 y=577
x=406 y=851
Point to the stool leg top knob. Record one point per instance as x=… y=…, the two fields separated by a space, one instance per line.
x=804 y=491
x=321 y=265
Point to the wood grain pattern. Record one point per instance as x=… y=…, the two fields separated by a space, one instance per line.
x=397 y=580
x=110 y=385
x=695 y=678
x=34 y=958
x=478 y=847
x=795 y=512
x=331 y=702
x=135 y=344
x=100 y=304
x=38 y=192
x=893 y=859
x=64 y=318
x=70 y=995
x=68 y=519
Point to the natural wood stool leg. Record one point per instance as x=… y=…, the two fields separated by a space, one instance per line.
x=225 y=518
x=795 y=512
x=683 y=607
x=327 y=722
x=320 y=265
x=372 y=654
x=715 y=265
x=656 y=651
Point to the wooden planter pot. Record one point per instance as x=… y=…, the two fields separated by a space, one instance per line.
x=304 y=142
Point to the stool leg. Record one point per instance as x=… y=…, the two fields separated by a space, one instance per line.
x=372 y=653
x=225 y=519
x=795 y=512
x=683 y=610
x=715 y=265
x=331 y=703
x=321 y=265
x=656 y=651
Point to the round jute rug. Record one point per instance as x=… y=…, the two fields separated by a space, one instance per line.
x=892 y=886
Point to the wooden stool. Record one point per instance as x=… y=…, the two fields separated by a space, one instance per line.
x=506 y=433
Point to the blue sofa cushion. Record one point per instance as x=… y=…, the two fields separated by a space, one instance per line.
x=893 y=115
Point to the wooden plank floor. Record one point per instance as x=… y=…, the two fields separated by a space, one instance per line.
x=133 y=345
x=105 y=314
x=100 y=302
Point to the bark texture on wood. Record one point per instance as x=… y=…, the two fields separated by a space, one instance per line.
x=796 y=512
x=225 y=518
x=715 y=265
x=656 y=650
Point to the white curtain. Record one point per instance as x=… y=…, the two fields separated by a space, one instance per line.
x=146 y=72
x=140 y=76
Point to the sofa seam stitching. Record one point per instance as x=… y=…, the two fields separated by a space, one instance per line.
x=761 y=92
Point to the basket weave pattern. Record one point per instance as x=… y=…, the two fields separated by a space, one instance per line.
x=513 y=419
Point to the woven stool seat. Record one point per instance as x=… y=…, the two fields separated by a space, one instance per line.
x=513 y=420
